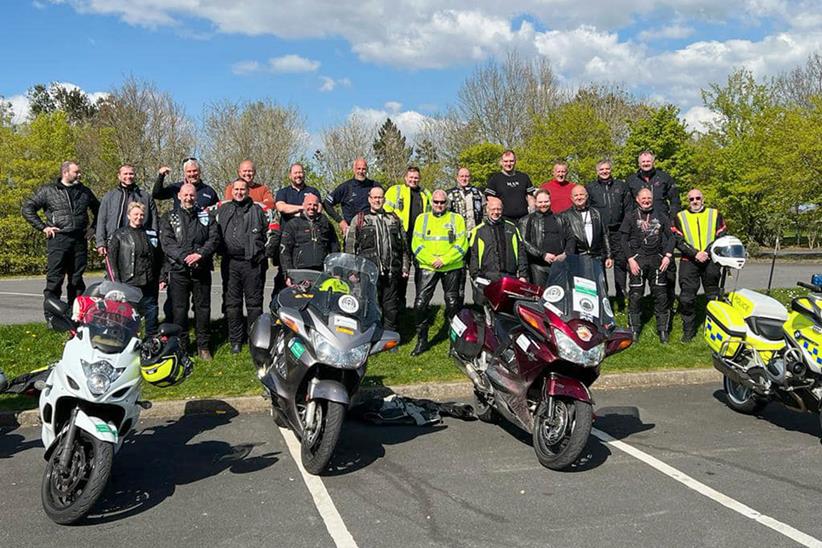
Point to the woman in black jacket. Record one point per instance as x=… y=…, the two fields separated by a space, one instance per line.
x=135 y=259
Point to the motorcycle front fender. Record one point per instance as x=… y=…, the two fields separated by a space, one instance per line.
x=97 y=427
x=328 y=390
x=560 y=385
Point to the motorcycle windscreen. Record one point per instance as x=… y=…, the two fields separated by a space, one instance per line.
x=108 y=310
x=576 y=290
x=347 y=285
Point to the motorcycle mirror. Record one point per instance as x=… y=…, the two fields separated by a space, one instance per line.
x=59 y=310
x=816 y=280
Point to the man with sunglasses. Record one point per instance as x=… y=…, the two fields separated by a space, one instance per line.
x=379 y=237
x=696 y=228
x=206 y=196
x=439 y=243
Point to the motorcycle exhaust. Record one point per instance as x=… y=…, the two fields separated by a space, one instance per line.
x=736 y=374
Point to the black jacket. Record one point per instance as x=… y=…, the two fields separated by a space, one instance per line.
x=646 y=233
x=186 y=231
x=206 y=196
x=576 y=242
x=134 y=258
x=66 y=213
x=353 y=195
x=456 y=203
x=612 y=199
x=113 y=207
x=248 y=219
x=484 y=257
x=663 y=186
x=305 y=243
x=380 y=238
x=541 y=233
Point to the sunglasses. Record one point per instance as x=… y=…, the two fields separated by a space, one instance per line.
x=439 y=202
x=695 y=199
x=189 y=159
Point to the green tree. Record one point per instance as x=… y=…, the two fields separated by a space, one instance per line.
x=664 y=134
x=482 y=160
x=573 y=132
x=74 y=102
x=391 y=152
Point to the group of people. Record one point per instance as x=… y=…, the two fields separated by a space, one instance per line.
x=510 y=228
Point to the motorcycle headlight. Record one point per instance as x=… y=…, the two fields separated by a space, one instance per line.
x=571 y=351
x=100 y=375
x=329 y=354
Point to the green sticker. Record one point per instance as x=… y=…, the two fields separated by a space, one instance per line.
x=453 y=335
x=297 y=348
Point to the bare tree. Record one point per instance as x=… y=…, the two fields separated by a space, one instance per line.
x=341 y=145
x=269 y=134
x=802 y=83
x=449 y=136
x=615 y=106
x=501 y=100
x=148 y=127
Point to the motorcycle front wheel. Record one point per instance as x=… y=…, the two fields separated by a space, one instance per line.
x=69 y=494
x=318 y=445
x=740 y=398
x=560 y=438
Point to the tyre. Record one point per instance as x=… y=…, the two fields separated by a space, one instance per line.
x=560 y=438
x=483 y=409
x=740 y=398
x=318 y=446
x=68 y=495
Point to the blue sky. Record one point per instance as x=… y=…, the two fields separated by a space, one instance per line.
x=403 y=58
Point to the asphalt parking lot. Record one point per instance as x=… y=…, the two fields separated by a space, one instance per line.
x=695 y=474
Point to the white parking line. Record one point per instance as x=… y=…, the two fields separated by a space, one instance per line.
x=21 y=294
x=322 y=500
x=686 y=480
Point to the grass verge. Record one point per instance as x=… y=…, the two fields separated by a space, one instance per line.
x=30 y=346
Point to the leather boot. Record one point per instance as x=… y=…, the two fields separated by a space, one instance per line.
x=636 y=325
x=422 y=342
x=663 y=337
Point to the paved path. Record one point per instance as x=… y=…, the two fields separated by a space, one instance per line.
x=695 y=474
x=21 y=299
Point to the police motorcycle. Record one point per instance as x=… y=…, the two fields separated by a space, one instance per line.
x=534 y=354
x=90 y=400
x=311 y=351
x=765 y=352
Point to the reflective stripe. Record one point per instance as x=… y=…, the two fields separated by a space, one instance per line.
x=419 y=248
x=711 y=226
x=699 y=229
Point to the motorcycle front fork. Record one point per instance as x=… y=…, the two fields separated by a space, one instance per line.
x=310 y=409
x=68 y=443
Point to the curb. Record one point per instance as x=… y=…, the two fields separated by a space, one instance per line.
x=441 y=391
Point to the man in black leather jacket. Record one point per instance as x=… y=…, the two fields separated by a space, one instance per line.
x=190 y=238
x=135 y=259
x=307 y=239
x=66 y=203
x=543 y=238
x=243 y=227
x=584 y=232
x=612 y=198
x=379 y=237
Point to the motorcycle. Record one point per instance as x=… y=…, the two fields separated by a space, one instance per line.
x=311 y=352
x=764 y=352
x=90 y=400
x=533 y=355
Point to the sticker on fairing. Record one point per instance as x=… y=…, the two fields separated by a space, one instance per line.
x=585 y=299
x=553 y=294
x=345 y=322
x=606 y=307
x=458 y=326
x=523 y=342
x=297 y=348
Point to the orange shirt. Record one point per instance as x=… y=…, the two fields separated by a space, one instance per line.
x=258 y=192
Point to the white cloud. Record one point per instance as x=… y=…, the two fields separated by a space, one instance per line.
x=330 y=84
x=393 y=106
x=699 y=118
x=671 y=32
x=409 y=122
x=292 y=63
x=245 y=67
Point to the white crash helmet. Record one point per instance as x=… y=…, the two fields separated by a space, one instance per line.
x=729 y=251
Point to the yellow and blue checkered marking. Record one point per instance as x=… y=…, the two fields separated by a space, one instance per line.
x=813 y=350
x=709 y=327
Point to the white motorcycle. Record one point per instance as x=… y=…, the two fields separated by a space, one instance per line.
x=90 y=401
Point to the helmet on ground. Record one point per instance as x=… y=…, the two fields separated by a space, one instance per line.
x=729 y=251
x=164 y=363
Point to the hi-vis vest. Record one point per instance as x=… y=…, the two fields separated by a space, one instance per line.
x=398 y=200
x=442 y=237
x=475 y=238
x=698 y=229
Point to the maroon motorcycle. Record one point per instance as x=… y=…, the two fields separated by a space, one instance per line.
x=534 y=352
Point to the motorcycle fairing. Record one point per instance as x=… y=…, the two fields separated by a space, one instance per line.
x=560 y=385
x=97 y=427
x=806 y=336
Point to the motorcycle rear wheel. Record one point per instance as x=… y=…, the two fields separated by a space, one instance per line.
x=560 y=438
x=69 y=495
x=318 y=446
x=741 y=398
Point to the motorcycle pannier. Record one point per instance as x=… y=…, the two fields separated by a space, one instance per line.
x=724 y=324
x=467 y=332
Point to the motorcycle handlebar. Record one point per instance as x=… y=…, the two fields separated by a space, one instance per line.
x=812 y=287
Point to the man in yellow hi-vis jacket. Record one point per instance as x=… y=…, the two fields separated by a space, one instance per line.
x=408 y=200
x=439 y=243
x=696 y=228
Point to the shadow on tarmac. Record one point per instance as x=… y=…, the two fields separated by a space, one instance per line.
x=11 y=443
x=782 y=416
x=152 y=463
